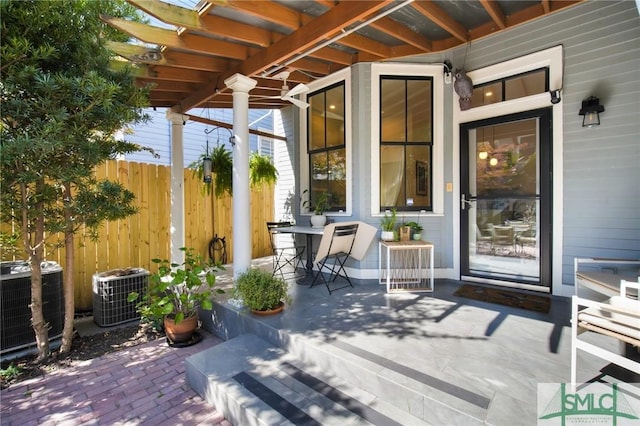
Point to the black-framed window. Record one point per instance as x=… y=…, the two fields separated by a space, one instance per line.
x=326 y=145
x=406 y=143
x=512 y=87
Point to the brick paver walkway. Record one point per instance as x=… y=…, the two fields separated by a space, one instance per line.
x=142 y=385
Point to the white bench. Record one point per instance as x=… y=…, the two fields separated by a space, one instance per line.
x=603 y=275
x=618 y=318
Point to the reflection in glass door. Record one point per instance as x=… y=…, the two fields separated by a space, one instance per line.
x=505 y=206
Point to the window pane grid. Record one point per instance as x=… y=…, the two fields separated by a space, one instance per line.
x=513 y=87
x=326 y=146
x=406 y=117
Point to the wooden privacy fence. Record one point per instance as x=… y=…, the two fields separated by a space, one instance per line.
x=136 y=240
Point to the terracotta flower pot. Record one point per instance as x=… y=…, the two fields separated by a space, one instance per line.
x=181 y=332
x=279 y=308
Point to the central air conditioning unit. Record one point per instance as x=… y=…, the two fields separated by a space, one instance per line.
x=110 y=292
x=16 y=333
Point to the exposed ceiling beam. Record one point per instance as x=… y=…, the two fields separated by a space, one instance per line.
x=191 y=19
x=268 y=11
x=294 y=20
x=230 y=127
x=402 y=33
x=493 y=9
x=322 y=28
x=303 y=39
x=189 y=42
x=358 y=42
x=168 y=86
x=139 y=54
x=546 y=6
x=439 y=17
x=168 y=13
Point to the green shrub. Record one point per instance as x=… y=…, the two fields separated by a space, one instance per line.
x=260 y=290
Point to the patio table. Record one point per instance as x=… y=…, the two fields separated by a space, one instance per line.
x=309 y=231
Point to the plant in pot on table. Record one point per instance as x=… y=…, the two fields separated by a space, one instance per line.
x=175 y=294
x=388 y=225
x=261 y=291
x=318 y=206
x=416 y=230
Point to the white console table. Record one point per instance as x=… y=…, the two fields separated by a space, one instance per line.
x=406 y=266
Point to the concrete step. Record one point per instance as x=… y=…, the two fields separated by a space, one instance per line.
x=255 y=383
x=431 y=397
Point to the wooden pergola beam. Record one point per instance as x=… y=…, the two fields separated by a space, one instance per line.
x=294 y=44
x=189 y=42
x=439 y=17
x=230 y=127
x=493 y=9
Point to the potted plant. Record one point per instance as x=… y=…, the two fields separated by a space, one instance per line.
x=318 y=206
x=175 y=294
x=261 y=170
x=416 y=230
x=261 y=291
x=388 y=225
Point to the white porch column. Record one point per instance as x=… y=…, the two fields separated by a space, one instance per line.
x=241 y=85
x=176 y=229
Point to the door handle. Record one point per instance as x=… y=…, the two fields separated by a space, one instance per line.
x=464 y=202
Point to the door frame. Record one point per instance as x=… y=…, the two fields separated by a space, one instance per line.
x=553 y=58
x=545 y=193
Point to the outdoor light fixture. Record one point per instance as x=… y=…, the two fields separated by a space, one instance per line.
x=206 y=163
x=555 y=96
x=206 y=169
x=591 y=110
x=447 y=71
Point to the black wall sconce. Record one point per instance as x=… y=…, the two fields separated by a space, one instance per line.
x=555 y=96
x=590 y=111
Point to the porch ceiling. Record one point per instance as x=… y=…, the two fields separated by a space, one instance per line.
x=187 y=60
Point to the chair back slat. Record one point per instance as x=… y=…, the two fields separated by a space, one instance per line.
x=272 y=227
x=343 y=238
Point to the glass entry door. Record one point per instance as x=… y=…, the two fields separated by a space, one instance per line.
x=506 y=200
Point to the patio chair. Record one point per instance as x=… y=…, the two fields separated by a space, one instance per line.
x=618 y=318
x=335 y=248
x=503 y=235
x=285 y=254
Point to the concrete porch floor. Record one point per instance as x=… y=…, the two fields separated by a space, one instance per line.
x=475 y=363
x=479 y=359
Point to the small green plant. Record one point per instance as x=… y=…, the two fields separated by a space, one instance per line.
x=319 y=205
x=260 y=290
x=415 y=227
x=388 y=222
x=10 y=373
x=177 y=290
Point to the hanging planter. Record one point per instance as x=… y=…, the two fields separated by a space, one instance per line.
x=261 y=170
